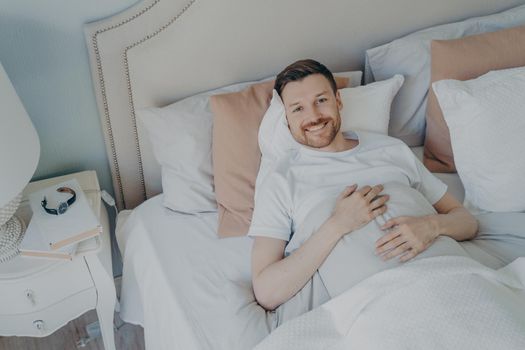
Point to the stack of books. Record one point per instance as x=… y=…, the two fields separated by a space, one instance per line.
x=57 y=236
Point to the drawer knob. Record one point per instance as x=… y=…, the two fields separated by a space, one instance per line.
x=30 y=295
x=39 y=324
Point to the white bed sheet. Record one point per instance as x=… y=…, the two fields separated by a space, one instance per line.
x=191 y=290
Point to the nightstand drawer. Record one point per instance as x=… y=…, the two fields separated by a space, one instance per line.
x=44 y=322
x=35 y=292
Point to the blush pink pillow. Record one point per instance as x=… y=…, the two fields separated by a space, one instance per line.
x=236 y=155
x=464 y=59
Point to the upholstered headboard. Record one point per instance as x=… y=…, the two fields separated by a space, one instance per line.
x=160 y=51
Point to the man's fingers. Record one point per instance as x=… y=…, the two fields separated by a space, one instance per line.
x=397 y=251
x=393 y=222
x=378 y=211
x=379 y=201
x=386 y=238
x=347 y=191
x=364 y=190
x=409 y=255
x=374 y=192
x=394 y=243
x=389 y=224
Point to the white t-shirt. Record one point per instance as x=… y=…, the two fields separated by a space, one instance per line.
x=305 y=177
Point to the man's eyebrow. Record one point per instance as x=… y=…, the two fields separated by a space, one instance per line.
x=317 y=95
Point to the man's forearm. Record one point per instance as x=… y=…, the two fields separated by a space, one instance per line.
x=458 y=224
x=281 y=280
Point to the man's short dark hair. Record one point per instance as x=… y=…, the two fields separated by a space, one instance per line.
x=301 y=69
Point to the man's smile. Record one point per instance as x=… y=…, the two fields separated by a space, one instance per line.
x=316 y=127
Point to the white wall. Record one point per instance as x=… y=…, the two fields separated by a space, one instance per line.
x=43 y=50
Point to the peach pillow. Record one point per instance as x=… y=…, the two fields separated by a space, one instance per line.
x=464 y=59
x=236 y=155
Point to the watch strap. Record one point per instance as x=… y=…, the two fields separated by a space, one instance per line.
x=70 y=201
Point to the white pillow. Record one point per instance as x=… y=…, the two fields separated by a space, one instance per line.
x=410 y=56
x=486 y=119
x=180 y=135
x=365 y=108
x=181 y=138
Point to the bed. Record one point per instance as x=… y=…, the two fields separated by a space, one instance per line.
x=186 y=287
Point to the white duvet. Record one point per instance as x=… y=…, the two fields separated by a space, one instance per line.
x=434 y=303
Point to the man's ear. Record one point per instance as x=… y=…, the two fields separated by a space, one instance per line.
x=338 y=100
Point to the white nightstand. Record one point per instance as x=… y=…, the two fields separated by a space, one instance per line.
x=38 y=296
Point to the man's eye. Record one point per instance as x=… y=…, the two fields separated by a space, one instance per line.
x=297 y=109
x=322 y=100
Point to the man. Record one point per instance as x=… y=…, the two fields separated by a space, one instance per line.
x=330 y=161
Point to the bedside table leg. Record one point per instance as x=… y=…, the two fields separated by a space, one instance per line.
x=106 y=300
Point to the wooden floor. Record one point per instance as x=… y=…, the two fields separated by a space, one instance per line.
x=127 y=337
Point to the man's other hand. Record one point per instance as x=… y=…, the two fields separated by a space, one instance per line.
x=408 y=237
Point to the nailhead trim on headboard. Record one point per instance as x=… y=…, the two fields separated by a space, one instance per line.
x=94 y=40
x=130 y=91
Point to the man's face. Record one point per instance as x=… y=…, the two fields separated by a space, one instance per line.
x=312 y=110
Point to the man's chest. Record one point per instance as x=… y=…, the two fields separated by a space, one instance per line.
x=313 y=185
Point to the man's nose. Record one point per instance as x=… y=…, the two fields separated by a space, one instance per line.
x=314 y=112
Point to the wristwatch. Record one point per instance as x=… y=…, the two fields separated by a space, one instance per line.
x=63 y=206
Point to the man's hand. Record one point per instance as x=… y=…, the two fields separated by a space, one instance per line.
x=408 y=237
x=357 y=207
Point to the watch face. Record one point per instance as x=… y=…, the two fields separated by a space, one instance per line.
x=62 y=208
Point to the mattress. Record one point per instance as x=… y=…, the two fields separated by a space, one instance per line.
x=191 y=290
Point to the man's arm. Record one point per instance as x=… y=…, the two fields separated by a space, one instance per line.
x=276 y=279
x=453 y=219
x=410 y=236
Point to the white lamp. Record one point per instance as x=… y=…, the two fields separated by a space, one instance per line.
x=19 y=153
